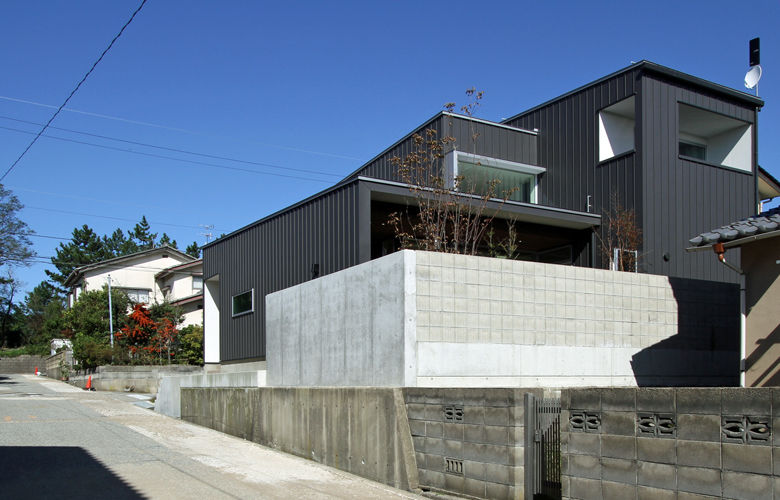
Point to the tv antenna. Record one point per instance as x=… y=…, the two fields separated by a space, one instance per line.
x=207 y=233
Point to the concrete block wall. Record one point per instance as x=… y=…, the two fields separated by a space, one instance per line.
x=60 y=365
x=479 y=431
x=483 y=321
x=364 y=431
x=684 y=443
x=23 y=364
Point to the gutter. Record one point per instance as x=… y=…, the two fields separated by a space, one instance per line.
x=720 y=250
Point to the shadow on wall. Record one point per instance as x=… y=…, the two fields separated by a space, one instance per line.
x=65 y=472
x=770 y=376
x=705 y=350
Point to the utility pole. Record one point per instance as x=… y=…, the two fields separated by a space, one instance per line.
x=110 y=313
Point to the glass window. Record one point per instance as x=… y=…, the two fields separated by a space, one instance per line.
x=480 y=179
x=243 y=303
x=692 y=150
x=137 y=295
x=197 y=283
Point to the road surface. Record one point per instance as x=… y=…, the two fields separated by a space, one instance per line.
x=58 y=441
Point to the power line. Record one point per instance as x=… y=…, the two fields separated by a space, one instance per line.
x=176 y=150
x=110 y=217
x=73 y=92
x=183 y=130
x=164 y=157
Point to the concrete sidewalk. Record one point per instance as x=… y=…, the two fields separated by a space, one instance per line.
x=57 y=441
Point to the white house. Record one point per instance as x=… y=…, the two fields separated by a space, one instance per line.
x=149 y=276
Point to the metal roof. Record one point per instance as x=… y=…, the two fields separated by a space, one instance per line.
x=763 y=225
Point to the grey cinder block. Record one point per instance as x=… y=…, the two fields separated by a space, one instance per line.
x=699 y=480
x=617 y=491
x=474 y=488
x=656 y=400
x=495 y=434
x=656 y=475
x=656 y=450
x=497 y=416
x=618 y=446
x=431 y=479
x=698 y=427
x=747 y=458
x=501 y=474
x=415 y=411
x=776 y=461
x=618 y=423
x=618 y=470
x=698 y=401
x=585 y=399
x=417 y=427
x=698 y=454
x=453 y=431
x=474 y=470
x=454 y=483
x=493 y=490
x=473 y=433
x=684 y=495
x=586 y=466
x=742 y=401
x=434 y=429
x=647 y=493
x=618 y=399
x=741 y=485
x=585 y=489
x=583 y=443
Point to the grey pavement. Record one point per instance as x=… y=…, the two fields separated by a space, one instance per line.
x=57 y=441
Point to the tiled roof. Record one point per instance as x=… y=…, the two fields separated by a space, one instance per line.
x=765 y=222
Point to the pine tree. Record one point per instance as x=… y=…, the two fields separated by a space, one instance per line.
x=193 y=249
x=142 y=235
x=85 y=247
x=118 y=244
x=166 y=240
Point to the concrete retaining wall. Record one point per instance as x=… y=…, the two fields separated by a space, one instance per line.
x=23 y=364
x=363 y=431
x=442 y=320
x=60 y=365
x=671 y=443
x=144 y=379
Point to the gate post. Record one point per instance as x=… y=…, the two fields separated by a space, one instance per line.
x=529 y=401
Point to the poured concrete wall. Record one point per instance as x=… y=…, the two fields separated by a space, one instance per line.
x=363 y=431
x=142 y=378
x=351 y=328
x=442 y=320
x=671 y=443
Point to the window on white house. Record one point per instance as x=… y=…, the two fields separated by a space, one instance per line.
x=483 y=175
x=197 y=283
x=714 y=138
x=243 y=303
x=137 y=295
x=616 y=129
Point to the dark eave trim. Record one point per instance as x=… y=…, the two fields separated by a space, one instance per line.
x=649 y=66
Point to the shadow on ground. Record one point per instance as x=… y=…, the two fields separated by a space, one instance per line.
x=65 y=472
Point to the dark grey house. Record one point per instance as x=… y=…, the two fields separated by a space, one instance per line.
x=679 y=150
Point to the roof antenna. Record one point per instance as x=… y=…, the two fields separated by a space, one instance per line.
x=754 y=73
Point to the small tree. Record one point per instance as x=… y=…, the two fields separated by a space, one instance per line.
x=450 y=214
x=620 y=238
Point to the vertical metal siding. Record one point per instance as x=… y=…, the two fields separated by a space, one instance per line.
x=684 y=198
x=276 y=254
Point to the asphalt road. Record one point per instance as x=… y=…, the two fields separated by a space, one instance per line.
x=57 y=441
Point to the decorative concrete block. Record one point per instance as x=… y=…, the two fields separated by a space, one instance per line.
x=699 y=480
x=618 y=423
x=619 y=470
x=753 y=486
x=699 y=454
x=620 y=399
x=656 y=450
x=707 y=401
x=741 y=401
x=747 y=458
x=698 y=427
x=584 y=466
x=656 y=475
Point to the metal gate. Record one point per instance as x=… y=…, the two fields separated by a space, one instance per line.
x=542 y=448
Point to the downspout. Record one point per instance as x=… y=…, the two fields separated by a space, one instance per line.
x=721 y=252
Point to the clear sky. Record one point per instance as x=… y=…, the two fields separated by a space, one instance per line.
x=313 y=88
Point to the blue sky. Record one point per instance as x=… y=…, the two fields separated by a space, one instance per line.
x=308 y=87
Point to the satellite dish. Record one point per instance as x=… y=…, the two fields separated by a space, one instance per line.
x=753 y=76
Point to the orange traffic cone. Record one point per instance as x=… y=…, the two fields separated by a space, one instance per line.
x=36 y=371
x=89 y=384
